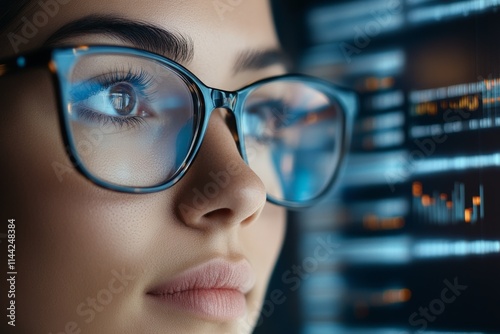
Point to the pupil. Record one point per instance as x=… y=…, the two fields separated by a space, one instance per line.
x=123 y=98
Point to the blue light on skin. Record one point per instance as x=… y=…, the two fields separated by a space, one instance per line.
x=21 y=61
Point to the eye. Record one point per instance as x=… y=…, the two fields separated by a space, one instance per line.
x=116 y=97
x=123 y=98
x=118 y=100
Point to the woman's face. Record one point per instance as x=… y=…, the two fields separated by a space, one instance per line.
x=90 y=260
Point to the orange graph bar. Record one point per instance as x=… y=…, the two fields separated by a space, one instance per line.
x=442 y=208
x=467 y=215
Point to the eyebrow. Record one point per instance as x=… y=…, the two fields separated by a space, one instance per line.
x=141 y=35
x=146 y=36
x=258 y=59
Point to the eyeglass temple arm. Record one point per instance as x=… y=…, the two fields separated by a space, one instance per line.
x=38 y=58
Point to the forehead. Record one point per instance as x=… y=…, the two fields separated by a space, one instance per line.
x=218 y=29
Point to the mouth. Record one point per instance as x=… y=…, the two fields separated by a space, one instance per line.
x=215 y=290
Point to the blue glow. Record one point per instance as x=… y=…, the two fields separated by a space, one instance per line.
x=388 y=100
x=447 y=248
x=385 y=121
x=384 y=250
x=21 y=61
x=450 y=10
x=385 y=207
x=388 y=62
x=343 y=22
x=440 y=165
x=385 y=167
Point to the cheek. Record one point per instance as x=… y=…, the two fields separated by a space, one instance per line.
x=263 y=240
x=69 y=256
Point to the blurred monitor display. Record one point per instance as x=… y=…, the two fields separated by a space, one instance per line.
x=415 y=217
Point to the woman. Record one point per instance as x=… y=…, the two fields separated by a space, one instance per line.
x=134 y=210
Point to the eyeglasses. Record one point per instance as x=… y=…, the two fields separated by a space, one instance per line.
x=133 y=121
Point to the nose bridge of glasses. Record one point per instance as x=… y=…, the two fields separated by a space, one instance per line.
x=227 y=100
x=223 y=99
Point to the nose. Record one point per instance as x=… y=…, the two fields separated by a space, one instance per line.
x=219 y=189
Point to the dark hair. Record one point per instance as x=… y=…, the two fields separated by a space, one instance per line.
x=9 y=10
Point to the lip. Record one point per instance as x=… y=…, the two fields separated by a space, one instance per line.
x=214 y=290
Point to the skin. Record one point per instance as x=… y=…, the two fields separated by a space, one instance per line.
x=71 y=236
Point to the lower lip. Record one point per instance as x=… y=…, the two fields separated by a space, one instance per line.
x=213 y=304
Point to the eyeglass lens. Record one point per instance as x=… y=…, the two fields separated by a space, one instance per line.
x=292 y=133
x=132 y=119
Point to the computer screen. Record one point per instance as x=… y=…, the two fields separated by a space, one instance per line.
x=409 y=240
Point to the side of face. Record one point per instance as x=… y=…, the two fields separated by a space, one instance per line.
x=86 y=257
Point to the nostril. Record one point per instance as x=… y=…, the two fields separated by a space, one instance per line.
x=223 y=214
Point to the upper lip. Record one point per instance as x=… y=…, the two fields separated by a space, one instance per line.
x=217 y=273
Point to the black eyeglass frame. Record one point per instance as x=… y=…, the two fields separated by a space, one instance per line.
x=206 y=99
